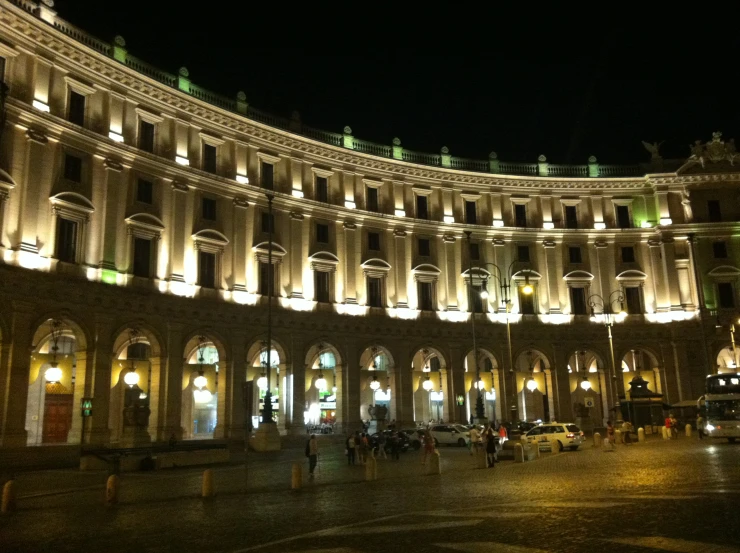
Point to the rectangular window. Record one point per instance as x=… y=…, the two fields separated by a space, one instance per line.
x=425 y=296
x=522 y=254
x=520 y=215
x=471 y=217
x=66 y=249
x=526 y=302
x=373 y=241
x=322 y=190
x=474 y=251
x=209 y=158
x=714 y=211
x=372 y=199
x=207 y=269
x=146 y=136
x=375 y=292
x=623 y=216
x=424 y=247
x=628 y=254
x=422 y=205
x=578 y=301
x=209 y=209
x=571 y=216
x=142 y=257
x=477 y=300
x=632 y=296
x=574 y=254
x=322 y=233
x=76 y=112
x=144 y=191
x=720 y=250
x=321 y=279
x=2 y=68
x=72 y=168
x=267 y=222
x=267 y=276
x=726 y=293
x=268 y=175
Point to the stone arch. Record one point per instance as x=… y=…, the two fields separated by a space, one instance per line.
x=589 y=384
x=491 y=375
x=148 y=333
x=533 y=384
x=334 y=394
x=275 y=376
x=434 y=403
x=42 y=332
x=381 y=374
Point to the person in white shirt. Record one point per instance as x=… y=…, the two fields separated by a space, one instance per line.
x=475 y=440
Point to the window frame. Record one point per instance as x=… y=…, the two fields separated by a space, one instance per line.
x=639 y=299
x=582 y=292
x=324 y=228
x=733 y=294
x=523 y=218
x=633 y=254
x=519 y=249
x=71 y=115
x=571 y=249
x=205 y=213
x=134 y=257
x=722 y=251
x=570 y=222
x=372 y=236
x=151 y=119
x=66 y=168
x=71 y=246
x=427 y=248
x=210 y=276
x=138 y=199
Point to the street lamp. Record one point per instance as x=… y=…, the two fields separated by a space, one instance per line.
x=54 y=374
x=200 y=380
x=607 y=312
x=267 y=410
x=585 y=384
x=428 y=385
x=320 y=381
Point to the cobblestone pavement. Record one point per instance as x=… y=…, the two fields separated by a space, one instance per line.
x=681 y=496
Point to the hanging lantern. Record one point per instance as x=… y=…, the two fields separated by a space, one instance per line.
x=374 y=385
x=428 y=385
x=321 y=383
x=480 y=386
x=262 y=382
x=131 y=378
x=53 y=374
x=531 y=384
x=200 y=381
x=585 y=384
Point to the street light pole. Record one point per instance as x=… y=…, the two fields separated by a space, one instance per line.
x=607 y=312
x=267 y=410
x=479 y=409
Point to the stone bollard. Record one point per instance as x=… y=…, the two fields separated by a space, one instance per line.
x=296 y=476
x=555 y=447
x=688 y=430
x=597 y=439
x=9 y=503
x=111 y=490
x=434 y=466
x=207 y=488
x=648 y=429
x=371 y=468
x=618 y=437
x=666 y=435
x=518 y=453
x=481 y=459
x=640 y=434
x=536 y=446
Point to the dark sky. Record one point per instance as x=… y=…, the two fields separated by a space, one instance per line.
x=521 y=86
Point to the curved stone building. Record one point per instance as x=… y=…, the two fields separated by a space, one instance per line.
x=135 y=264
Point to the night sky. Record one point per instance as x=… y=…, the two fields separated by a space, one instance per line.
x=518 y=86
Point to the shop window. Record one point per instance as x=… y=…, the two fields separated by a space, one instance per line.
x=146 y=136
x=142 y=257
x=66 y=240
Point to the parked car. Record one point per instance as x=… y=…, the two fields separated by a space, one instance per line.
x=405 y=442
x=516 y=429
x=416 y=437
x=568 y=434
x=450 y=434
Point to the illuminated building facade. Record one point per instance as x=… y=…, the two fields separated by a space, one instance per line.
x=134 y=263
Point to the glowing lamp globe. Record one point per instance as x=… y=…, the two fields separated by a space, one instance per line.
x=321 y=383
x=200 y=382
x=262 y=382
x=484 y=294
x=531 y=385
x=53 y=374
x=131 y=378
x=585 y=384
x=428 y=385
x=527 y=289
x=202 y=396
x=480 y=386
x=374 y=385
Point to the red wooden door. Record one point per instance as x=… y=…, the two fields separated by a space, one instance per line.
x=57 y=418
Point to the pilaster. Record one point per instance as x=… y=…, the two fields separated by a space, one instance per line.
x=239 y=245
x=400 y=269
x=451 y=273
x=670 y=273
x=15 y=398
x=662 y=302
x=552 y=277
x=297 y=234
x=180 y=192
x=350 y=267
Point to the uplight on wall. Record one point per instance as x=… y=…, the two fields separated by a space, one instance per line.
x=242 y=179
x=350 y=205
x=666 y=221
x=115 y=137
x=600 y=226
x=400 y=213
x=646 y=224
x=449 y=219
x=41 y=106
x=297 y=193
x=498 y=223
x=548 y=225
x=180 y=160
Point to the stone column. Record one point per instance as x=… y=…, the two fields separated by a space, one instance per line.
x=561 y=392
x=225 y=407
x=352 y=399
x=297 y=421
x=16 y=374
x=402 y=297
x=662 y=303
x=81 y=375
x=36 y=173
x=670 y=273
x=234 y=376
x=170 y=370
x=239 y=245
x=98 y=386
x=451 y=276
x=350 y=265
x=296 y=254
x=402 y=387
x=177 y=252
x=552 y=276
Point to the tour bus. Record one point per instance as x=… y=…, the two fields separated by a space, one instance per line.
x=721 y=405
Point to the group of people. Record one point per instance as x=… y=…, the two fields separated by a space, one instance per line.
x=358 y=447
x=486 y=440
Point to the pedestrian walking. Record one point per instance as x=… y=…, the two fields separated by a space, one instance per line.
x=395 y=446
x=475 y=440
x=700 y=426
x=312 y=452
x=381 y=445
x=350 y=449
x=428 y=446
x=627 y=432
x=611 y=436
x=502 y=434
x=490 y=445
x=360 y=447
x=674 y=426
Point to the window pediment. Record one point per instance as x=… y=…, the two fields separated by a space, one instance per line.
x=632 y=274
x=145 y=225
x=724 y=272
x=261 y=250
x=578 y=276
x=324 y=262
x=72 y=205
x=528 y=274
x=209 y=239
x=78 y=86
x=376 y=268
x=426 y=272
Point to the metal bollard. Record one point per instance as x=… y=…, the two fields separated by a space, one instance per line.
x=518 y=453
x=9 y=502
x=555 y=447
x=207 y=483
x=111 y=490
x=640 y=434
x=434 y=465
x=666 y=434
x=371 y=468
x=597 y=439
x=688 y=430
x=296 y=479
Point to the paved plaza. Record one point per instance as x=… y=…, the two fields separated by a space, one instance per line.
x=678 y=496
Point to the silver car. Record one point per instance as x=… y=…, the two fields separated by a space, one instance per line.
x=450 y=434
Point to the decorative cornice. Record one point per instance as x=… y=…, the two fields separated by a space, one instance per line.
x=112 y=165
x=241 y=202
x=448 y=239
x=296 y=216
x=37 y=136
x=399 y=233
x=349 y=226
x=179 y=186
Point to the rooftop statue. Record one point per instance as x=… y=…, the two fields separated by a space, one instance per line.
x=653 y=149
x=714 y=151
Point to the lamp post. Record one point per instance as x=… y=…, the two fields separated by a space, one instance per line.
x=267 y=410
x=732 y=341
x=53 y=374
x=607 y=312
x=504 y=282
x=585 y=384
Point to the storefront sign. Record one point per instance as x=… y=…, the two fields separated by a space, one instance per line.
x=327 y=405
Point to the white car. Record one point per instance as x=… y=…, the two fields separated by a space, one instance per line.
x=568 y=434
x=450 y=434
